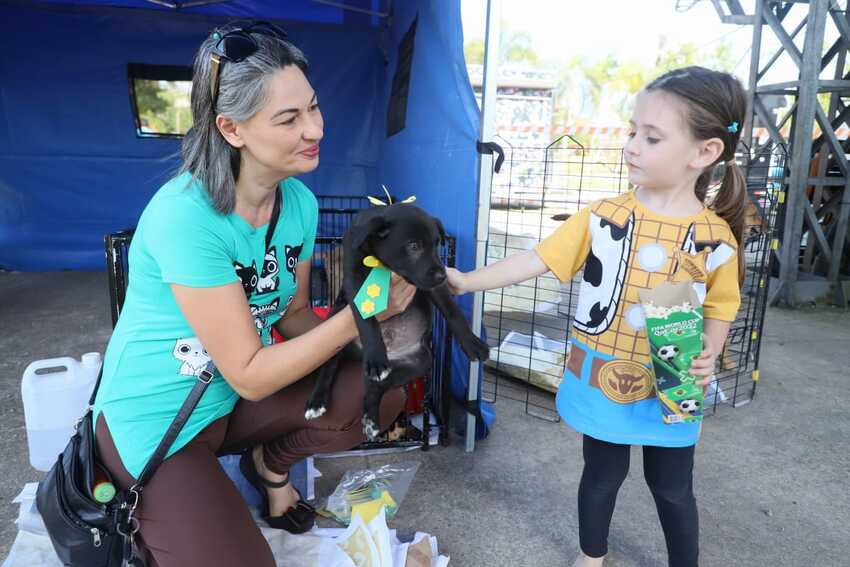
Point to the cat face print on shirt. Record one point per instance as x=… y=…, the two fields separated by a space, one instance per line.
x=292 y=253
x=269 y=280
x=249 y=277
x=192 y=354
x=262 y=312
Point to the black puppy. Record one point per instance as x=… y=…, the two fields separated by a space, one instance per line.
x=406 y=240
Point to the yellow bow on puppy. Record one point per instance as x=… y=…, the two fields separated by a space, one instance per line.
x=378 y=203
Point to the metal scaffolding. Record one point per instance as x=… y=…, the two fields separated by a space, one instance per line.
x=811 y=254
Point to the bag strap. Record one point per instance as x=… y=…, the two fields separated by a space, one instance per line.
x=204 y=379
x=96 y=386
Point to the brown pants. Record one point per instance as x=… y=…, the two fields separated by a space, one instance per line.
x=192 y=515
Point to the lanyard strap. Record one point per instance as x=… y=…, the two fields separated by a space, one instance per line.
x=273 y=220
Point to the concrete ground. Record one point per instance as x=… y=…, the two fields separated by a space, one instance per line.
x=772 y=477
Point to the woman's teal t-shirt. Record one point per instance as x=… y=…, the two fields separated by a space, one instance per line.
x=153 y=357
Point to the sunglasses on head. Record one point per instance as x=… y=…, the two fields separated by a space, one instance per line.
x=236 y=45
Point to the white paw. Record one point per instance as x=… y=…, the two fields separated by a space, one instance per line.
x=369 y=428
x=313 y=413
x=384 y=375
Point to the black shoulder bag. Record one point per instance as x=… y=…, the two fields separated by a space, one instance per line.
x=84 y=532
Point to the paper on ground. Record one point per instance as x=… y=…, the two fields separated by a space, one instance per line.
x=348 y=547
x=316 y=548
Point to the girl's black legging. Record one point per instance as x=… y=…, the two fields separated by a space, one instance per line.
x=669 y=475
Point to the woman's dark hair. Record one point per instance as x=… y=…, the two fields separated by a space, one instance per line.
x=716 y=104
x=242 y=92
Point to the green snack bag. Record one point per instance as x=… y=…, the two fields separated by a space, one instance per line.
x=674 y=324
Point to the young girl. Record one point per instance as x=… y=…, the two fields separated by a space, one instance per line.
x=685 y=123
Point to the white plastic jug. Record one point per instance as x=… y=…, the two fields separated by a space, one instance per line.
x=56 y=393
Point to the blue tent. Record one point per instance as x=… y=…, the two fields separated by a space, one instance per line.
x=73 y=167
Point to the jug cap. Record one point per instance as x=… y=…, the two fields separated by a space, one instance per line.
x=91 y=359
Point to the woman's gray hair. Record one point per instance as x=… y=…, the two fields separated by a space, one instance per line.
x=242 y=92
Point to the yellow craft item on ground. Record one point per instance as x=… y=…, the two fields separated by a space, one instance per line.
x=370 y=509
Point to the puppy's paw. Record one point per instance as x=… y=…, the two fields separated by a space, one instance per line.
x=316 y=407
x=377 y=368
x=370 y=428
x=475 y=348
x=314 y=413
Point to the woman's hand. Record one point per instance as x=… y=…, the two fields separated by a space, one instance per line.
x=401 y=294
x=456 y=281
x=703 y=364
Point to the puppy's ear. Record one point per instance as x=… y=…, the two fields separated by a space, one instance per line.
x=440 y=229
x=376 y=226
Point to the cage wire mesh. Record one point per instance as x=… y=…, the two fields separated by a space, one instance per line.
x=527 y=324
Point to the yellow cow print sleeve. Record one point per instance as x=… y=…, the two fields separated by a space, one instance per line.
x=723 y=295
x=566 y=249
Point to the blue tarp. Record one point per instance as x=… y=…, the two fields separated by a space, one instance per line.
x=73 y=169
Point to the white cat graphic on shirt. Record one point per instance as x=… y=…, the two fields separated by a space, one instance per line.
x=193 y=355
x=271 y=268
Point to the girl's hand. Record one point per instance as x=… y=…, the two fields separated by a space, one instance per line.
x=456 y=281
x=401 y=294
x=703 y=365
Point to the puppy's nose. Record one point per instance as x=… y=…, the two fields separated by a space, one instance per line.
x=439 y=275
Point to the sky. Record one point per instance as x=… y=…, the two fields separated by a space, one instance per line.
x=630 y=29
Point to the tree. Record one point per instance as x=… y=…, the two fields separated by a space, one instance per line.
x=514 y=47
x=473 y=52
x=517 y=47
x=613 y=83
x=159 y=108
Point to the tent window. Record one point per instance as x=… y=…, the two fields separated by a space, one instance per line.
x=159 y=95
x=397 y=111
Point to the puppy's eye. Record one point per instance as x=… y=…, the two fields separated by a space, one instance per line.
x=414 y=246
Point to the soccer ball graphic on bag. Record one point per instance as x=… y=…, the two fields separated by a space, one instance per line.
x=668 y=352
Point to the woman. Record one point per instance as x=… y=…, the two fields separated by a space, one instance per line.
x=220 y=255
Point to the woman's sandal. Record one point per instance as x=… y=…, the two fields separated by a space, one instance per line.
x=297 y=520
